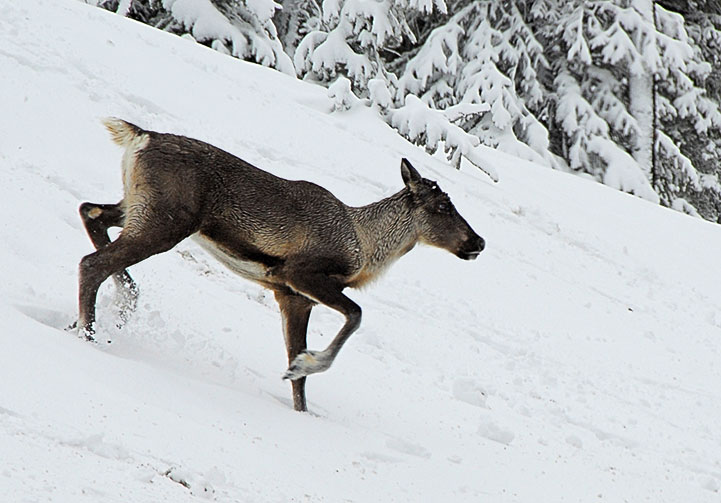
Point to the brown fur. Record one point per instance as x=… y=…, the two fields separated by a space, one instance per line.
x=293 y=237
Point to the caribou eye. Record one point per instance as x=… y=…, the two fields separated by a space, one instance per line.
x=443 y=207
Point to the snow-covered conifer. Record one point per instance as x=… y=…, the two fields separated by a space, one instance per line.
x=354 y=34
x=243 y=29
x=701 y=145
x=634 y=64
x=486 y=53
x=295 y=20
x=433 y=128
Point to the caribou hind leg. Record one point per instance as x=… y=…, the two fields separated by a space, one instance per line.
x=97 y=219
x=295 y=310
x=97 y=267
x=149 y=233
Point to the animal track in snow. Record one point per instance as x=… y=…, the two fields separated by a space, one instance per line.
x=405 y=447
x=492 y=431
x=468 y=391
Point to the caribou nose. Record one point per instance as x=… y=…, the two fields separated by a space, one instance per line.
x=473 y=248
x=476 y=244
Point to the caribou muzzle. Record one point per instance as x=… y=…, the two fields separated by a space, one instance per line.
x=471 y=248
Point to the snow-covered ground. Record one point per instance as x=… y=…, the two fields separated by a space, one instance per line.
x=576 y=360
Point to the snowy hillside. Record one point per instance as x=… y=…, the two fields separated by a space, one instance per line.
x=576 y=360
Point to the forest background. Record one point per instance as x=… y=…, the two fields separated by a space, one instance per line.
x=627 y=92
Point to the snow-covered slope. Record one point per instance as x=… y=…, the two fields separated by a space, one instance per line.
x=576 y=360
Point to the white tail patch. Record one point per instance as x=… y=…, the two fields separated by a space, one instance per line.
x=133 y=139
x=122 y=132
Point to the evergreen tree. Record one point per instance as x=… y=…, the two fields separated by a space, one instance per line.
x=703 y=148
x=588 y=116
x=634 y=64
x=486 y=53
x=356 y=40
x=355 y=37
x=295 y=20
x=240 y=28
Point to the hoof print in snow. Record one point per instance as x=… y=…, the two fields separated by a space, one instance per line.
x=468 y=391
x=492 y=431
x=574 y=441
x=409 y=448
x=196 y=485
x=712 y=484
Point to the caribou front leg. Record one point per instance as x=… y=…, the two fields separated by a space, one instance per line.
x=295 y=310
x=328 y=291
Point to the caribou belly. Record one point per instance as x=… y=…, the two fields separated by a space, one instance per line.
x=246 y=268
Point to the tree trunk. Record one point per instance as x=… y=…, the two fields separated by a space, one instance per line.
x=288 y=20
x=641 y=98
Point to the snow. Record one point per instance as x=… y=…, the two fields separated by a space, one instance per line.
x=379 y=94
x=575 y=360
x=622 y=172
x=342 y=95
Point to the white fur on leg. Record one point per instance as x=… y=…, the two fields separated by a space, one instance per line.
x=306 y=363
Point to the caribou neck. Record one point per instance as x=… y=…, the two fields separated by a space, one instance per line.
x=386 y=229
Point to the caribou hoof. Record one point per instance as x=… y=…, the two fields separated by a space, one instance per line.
x=86 y=333
x=306 y=363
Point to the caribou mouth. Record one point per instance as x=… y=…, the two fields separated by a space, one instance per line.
x=469 y=255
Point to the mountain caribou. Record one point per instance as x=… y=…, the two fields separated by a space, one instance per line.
x=293 y=237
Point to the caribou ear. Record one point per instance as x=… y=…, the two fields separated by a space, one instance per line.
x=409 y=173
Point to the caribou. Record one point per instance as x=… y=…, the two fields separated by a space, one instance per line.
x=290 y=236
